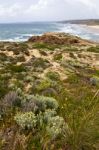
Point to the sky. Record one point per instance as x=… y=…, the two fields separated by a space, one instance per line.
x=47 y=10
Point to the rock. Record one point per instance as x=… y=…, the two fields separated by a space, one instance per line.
x=94 y=80
x=55 y=38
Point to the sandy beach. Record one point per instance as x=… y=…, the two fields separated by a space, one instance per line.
x=92 y=28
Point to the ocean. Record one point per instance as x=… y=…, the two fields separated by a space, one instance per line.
x=22 y=31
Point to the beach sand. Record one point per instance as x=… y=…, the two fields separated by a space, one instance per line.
x=91 y=28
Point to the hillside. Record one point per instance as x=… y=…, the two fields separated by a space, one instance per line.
x=49 y=91
x=91 y=22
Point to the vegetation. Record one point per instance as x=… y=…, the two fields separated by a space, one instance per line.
x=49 y=100
x=45 y=46
x=93 y=49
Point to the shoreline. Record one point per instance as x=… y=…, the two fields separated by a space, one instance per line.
x=93 y=28
x=48 y=33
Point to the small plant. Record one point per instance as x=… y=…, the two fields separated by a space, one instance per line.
x=94 y=81
x=45 y=46
x=39 y=103
x=20 y=58
x=26 y=120
x=16 y=68
x=55 y=126
x=40 y=63
x=53 y=75
x=58 y=57
x=93 y=49
x=23 y=47
x=48 y=114
x=11 y=99
x=43 y=84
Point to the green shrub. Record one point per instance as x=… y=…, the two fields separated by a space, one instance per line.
x=23 y=47
x=68 y=48
x=48 y=114
x=43 y=85
x=58 y=56
x=16 y=68
x=20 y=58
x=53 y=75
x=94 y=80
x=45 y=46
x=39 y=103
x=55 y=126
x=93 y=49
x=26 y=120
x=50 y=92
x=3 y=57
x=40 y=63
x=16 y=51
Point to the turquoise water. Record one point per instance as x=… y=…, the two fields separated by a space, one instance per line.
x=22 y=31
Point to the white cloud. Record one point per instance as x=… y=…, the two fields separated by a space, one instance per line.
x=48 y=9
x=10 y=11
x=88 y=3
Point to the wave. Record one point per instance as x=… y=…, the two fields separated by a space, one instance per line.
x=23 y=33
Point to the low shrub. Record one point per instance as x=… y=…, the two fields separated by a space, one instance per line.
x=39 y=103
x=94 y=81
x=55 y=126
x=16 y=68
x=45 y=46
x=58 y=56
x=93 y=49
x=26 y=120
x=53 y=75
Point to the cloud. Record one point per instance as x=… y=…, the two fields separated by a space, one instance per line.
x=89 y=3
x=38 y=10
x=10 y=11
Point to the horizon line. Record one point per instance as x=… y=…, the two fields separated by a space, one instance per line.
x=21 y=22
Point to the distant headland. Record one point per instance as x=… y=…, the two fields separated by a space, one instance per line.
x=91 y=22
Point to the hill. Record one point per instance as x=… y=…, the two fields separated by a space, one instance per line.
x=49 y=93
x=91 y=22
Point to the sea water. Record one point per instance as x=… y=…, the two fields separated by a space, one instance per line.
x=23 y=31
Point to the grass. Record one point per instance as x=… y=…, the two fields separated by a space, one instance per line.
x=16 y=68
x=77 y=98
x=82 y=122
x=93 y=49
x=45 y=46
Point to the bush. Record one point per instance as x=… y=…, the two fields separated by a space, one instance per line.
x=58 y=56
x=45 y=46
x=16 y=68
x=48 y=114
x=50 y=92
x=20 y=58
x=40 y=63
x=23 y=47
x=9 y=103
x=93 y=49
x=94 y=81
x=26 y=120
x=53 y=75
x=39 y=103
x=41 y=85
x=55 y=126
x=3 y=57
x=11 y=99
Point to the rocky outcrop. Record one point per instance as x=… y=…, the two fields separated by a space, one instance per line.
x=58 y=38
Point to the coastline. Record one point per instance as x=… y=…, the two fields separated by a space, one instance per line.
x=88 y=31
x=92 y=28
